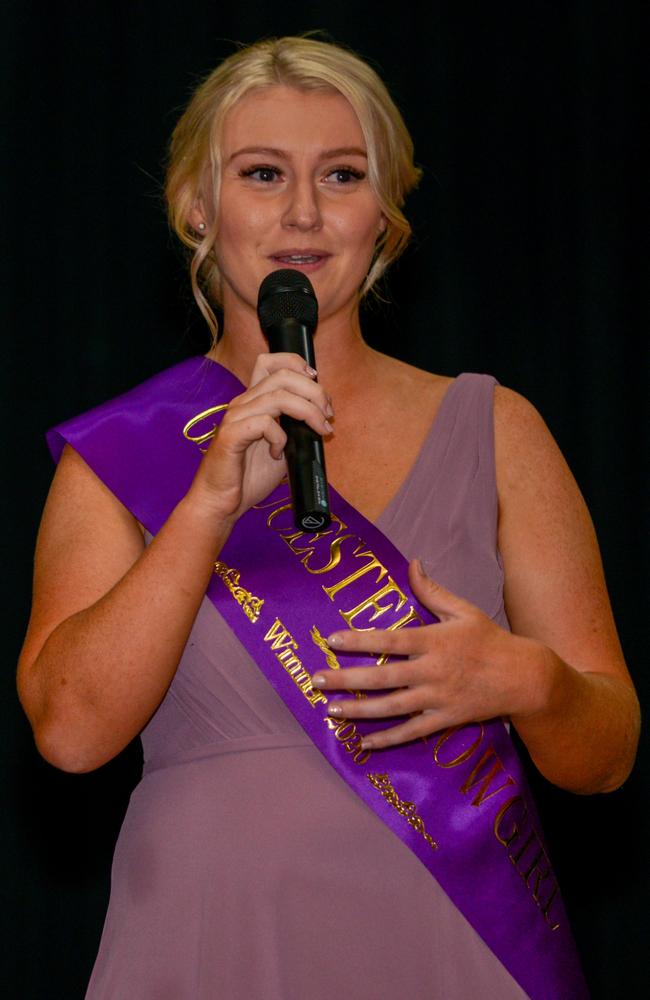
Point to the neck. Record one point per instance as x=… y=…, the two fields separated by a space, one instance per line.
x=341 y=352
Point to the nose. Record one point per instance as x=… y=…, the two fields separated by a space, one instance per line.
x=302 y=210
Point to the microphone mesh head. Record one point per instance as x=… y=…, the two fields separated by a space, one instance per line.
x=287 y=294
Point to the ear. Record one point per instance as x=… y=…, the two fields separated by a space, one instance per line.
x=197 y=216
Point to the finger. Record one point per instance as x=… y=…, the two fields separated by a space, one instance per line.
x=403 y=642
x=267 y=363
x=419 y=726
x=404 y=701
x=292 y=381
x=443 y=603
x=390 y=675
x=240 y=433
x=222 y=469
x=278 y=403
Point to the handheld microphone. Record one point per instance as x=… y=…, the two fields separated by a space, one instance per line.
x=288 y=313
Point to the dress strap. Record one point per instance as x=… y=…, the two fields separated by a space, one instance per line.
x=446 y=513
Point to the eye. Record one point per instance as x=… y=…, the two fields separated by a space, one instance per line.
x=344 y=175
x=264 y=174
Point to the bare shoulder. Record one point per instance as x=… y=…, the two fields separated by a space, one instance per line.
x=86 y=542
x=525 y=448
x=539 y=500
x=80 y=508
x=515 y=419
x=554 y=583
x=536 y=486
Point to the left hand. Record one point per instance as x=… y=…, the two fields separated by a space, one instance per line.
x=464 y=669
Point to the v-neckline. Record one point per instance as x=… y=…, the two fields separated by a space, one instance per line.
x=397 y=497
x=387 y=512
x=403 y=488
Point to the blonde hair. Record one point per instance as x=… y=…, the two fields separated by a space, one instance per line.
x=306 y=64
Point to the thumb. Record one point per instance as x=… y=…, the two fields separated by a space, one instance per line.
x=434 y=597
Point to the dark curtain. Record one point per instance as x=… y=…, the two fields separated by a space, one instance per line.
x=527 y=262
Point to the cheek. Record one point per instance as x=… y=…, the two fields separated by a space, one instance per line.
x=241 y=229
x=362 y=226
x=359 y=234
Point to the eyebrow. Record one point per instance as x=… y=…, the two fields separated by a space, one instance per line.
x=327 y=154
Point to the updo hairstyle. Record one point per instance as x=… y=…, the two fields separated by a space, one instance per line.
x=306 y=64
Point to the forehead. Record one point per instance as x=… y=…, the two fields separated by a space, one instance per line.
x=281 y=117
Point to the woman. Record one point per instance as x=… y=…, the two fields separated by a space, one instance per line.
x=246 y=866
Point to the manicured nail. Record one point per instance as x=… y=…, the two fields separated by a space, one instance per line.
x=311 y=371
x=334 y=640
x=329 y=409
x=335 y=710
x=318 y=681
x=420 y=568
x=328 y=427
x=366 y=745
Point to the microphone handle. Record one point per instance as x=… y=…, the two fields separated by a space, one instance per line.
x=304 y=448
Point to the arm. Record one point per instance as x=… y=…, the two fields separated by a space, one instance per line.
x=584 y=732
x=110 y=618
x=560 y=676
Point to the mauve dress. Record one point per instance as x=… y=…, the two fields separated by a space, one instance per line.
x=246 y=869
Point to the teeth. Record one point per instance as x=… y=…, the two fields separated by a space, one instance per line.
x=297 y=258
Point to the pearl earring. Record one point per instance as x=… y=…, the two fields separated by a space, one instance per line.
x=202 y=227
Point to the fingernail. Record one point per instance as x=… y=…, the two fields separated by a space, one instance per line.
x=335 y=710
x=328 y=427
x=420 y=568
x=334 y=640
x=329 y=409
x=311 y=371
x=366 y=745
x=318 y=681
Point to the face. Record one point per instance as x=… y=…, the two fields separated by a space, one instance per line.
x=295 y=193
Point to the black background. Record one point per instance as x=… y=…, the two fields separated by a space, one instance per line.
x=529 y=120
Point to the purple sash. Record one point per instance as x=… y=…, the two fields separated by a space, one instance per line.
x=458 y=799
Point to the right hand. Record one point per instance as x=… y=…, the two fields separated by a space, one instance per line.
x=245 y=460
